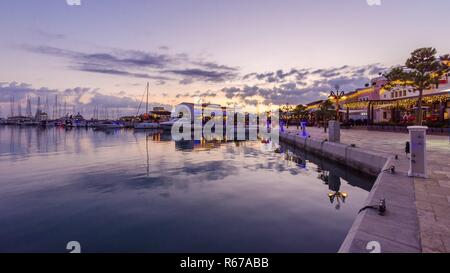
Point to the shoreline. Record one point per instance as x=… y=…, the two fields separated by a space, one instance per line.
x=396 y=231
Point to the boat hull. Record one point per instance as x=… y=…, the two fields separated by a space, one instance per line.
x=146 y=126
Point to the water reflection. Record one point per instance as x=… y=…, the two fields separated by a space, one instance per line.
x=147 y=193
x=330 y=173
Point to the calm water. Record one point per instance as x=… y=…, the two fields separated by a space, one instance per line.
x=123 y=191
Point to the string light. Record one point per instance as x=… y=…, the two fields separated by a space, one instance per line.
x=402 y=103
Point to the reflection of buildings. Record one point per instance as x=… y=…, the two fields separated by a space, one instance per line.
x=296 y=159
x=355 y=179
x=198 y=144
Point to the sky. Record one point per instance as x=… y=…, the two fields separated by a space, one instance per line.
x=247 y=52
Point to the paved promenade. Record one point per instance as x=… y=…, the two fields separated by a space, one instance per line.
x=432 y=196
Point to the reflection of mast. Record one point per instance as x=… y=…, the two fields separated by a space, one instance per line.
x=148 y=156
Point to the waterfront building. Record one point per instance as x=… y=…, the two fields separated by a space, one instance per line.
x=312 y=109
x=160 y=114
x=375 y=105
x=399 y=104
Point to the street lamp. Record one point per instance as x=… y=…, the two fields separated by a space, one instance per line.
x=337 y=96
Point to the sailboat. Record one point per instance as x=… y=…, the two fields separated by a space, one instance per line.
x=146 y=125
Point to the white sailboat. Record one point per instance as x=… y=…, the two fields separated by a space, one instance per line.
x=146 y=125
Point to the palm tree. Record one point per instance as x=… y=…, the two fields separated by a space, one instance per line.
x=424 y=70
x=300 y=113
x=286 y=113
x=325 y=113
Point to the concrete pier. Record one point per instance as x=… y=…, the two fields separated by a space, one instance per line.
x=432 y=195
x=397 y=230
x=364 y=160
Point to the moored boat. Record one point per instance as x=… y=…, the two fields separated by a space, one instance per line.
x=146 y=125
x=104 y=125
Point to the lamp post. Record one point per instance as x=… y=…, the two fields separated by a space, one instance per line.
x=337 y=96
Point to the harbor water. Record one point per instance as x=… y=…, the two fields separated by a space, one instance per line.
x=131 y=191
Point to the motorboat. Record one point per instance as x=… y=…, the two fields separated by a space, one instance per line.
x=146 y=124
x=29 y=123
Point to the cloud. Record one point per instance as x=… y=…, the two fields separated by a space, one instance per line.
x=300 y=86
x=82 y=97
x=276 y=95
x=278 y=76
x=211 y=65
x=48 y=35
x=118 y=58
x=20 y=91
x=140 y=64
x=161 y=79
x=204 y=75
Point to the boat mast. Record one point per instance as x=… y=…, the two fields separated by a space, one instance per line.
x=38 y=110
x=146 y=106
x=46 y=107
x=55 y=108
x=29 y=114
x=12 y=106
x=19 y=108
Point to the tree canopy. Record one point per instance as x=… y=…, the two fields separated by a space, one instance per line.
x=422 y=70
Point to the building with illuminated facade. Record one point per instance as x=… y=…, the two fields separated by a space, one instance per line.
x=376 y=105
